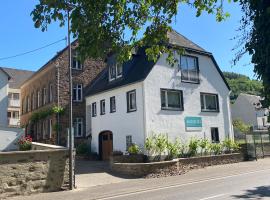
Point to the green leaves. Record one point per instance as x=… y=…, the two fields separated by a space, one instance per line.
x=120 y=26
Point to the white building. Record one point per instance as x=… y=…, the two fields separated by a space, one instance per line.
x=127 y=103
x=249 y=109
x=4 y=78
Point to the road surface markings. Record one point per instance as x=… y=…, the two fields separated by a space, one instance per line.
x=177 y=185
x=213 y=197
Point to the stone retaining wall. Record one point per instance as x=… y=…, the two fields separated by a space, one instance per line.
x=26 y=172
x=182 y=164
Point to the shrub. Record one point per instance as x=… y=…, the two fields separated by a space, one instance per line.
x=25 y=143
x=193 y=146
x=161 y=143
x=82 y=149
x=174 y=149
x=230 y=146
x=241 y=126
x=150 y=145
x=134 y=149
x=203 y=144
x=216 y=148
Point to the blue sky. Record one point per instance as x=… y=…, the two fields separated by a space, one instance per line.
x=18 y=35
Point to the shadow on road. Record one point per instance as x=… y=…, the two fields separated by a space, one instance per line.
x=257 y=193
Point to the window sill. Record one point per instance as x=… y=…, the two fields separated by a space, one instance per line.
x=113 y=111
x=211 y=111
x=102 y=113
x=94 y=115
x=129 y=111
x=173 y=109
x=192 y=82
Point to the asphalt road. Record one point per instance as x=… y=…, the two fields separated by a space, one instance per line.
x=246 y=180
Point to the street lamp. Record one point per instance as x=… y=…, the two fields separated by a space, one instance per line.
x=71 y=138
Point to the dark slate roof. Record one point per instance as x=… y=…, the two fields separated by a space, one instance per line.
x=134 y=70
x=17 y=76
x=5 y=73
x=138 y=67
x=179 y=40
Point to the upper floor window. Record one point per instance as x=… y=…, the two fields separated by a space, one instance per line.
x=102 y=107
x=33 y=101
x=14 y=96
x=209 y=102
x=78 y=127
x=131 y=101
x=189 y=69
x=51 y=93
x=115 y=71
x=77 y=92
x=44 y=96
x=112 y=104
x=76 y=62
x=171 y=99
x=38 y=99
x=94 y=109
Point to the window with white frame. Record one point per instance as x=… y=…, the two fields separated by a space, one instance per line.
x=102 y=107
x=33 y=101
x=115 y=71
x=38 y=99
x=112 y=104
x=76 y=62
x=94 y=109
x=44 y=96
x=78 y=127
x=50 y=128
x=209 y=102
x=131 y=101
x=28 y=104
x=128 y=141
x=51 y=93
x=77 y=92
x=171 y=99
x=189 y=69
x=44 y=129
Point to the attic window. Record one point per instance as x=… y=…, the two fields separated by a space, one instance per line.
x=115 y=71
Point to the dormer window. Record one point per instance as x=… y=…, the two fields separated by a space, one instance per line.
x=115 y=71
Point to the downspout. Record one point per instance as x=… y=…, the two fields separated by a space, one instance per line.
x=230 y=117
x=144 y=111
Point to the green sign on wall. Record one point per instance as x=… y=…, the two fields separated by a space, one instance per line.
x=193 y=123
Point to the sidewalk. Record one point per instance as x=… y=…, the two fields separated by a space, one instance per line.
x=109 y=190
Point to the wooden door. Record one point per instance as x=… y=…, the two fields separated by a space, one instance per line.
x=107 y=145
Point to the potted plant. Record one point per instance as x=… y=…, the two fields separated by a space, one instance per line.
x=25 y=143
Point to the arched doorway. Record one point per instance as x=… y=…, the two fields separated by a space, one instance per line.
x=105 y=144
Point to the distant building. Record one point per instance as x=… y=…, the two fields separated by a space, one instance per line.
x=48 y=88
x=249 y=109
x=4 y=78
x=17 y=77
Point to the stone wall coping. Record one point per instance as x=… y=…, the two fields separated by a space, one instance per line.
x=32 y=151
x=48 y=145
x=200 y=157
x=150 y=163
x=175 y=160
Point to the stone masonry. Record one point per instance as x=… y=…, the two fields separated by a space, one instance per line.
x=56 y=73
x=28 y=172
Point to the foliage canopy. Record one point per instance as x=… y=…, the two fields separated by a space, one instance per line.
x=107 y=26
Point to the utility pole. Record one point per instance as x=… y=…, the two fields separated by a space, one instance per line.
x=71 y=138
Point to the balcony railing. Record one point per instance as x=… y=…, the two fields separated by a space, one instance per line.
x=14 y=103
x=13 y=122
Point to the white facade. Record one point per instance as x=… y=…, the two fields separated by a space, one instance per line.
x=150 y=118
x=3 y=98
x=248 y=108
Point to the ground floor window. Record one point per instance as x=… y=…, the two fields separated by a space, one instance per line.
x=44 y=129
x=128 y=141
x=171 y=99
x=78 y=127
x=214 y=135
x=50 y=128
